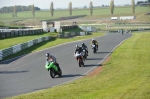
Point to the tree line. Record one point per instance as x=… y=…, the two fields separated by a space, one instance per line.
x=18 y=8
x=112 y=6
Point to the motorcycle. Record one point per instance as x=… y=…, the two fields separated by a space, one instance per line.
x=53 y=69
x=79 y=58
x=94 y=48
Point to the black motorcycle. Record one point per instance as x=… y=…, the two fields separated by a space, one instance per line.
x=94 y=48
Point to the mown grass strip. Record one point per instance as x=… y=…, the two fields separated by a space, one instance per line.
x=125 y=76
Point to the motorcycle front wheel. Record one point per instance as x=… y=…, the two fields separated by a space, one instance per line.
x=52 y=73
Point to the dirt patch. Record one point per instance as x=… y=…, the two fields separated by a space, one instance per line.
x=97 y=70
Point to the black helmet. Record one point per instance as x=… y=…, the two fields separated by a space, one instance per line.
x=47 y=54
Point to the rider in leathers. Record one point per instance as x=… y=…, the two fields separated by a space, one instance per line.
x=78 y=49
x=84 y=47
x=51 y=58
x=95 y=43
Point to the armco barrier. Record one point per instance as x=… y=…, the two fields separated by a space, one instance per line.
x=16 y=48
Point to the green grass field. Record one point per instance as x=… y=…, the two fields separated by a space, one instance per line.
x=97 y=13
x=125 y=75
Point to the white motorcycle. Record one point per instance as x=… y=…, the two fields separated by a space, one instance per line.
x=80 y=58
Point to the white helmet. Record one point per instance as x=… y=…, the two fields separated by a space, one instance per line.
x=47 y=54
x=77 y=45
x=93 y=39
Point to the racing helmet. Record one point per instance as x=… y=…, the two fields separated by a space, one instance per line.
x=47 y=54
x=83 y=44
x=77 y=46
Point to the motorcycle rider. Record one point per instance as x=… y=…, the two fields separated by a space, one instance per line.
x=95 y=43
x=85 y=47
x=51 y=58
x=78 y=49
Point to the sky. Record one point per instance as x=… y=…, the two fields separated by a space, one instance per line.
x=45 y=4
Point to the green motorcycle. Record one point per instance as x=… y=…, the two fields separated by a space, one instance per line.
x=54 y=69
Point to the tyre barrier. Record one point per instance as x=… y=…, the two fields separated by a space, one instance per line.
x=18 y=47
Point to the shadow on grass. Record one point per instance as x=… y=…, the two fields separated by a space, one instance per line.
x=12 y=72
x=14 y=57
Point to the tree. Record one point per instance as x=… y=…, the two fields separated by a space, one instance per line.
x=70 y=8
x=33 y=10
x=133 y=6
x=85 y=7
x=18 y=9
x=52 y=8
x=112 y=6
x=91 y=7
x=15 y=11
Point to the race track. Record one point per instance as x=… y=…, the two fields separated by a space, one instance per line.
x=28 y=74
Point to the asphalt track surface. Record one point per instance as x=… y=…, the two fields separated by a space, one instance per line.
x=27 y=73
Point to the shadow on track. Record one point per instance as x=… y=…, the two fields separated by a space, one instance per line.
x=92 y=65
x=12 y=72
x=102 y=52
x=94 y=58
x=71 y=75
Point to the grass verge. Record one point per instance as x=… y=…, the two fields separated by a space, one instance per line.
x=125 y=76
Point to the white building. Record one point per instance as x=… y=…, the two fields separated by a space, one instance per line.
x=127 y=17
x=114 y=18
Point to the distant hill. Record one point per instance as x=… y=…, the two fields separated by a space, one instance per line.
x=19 y=9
